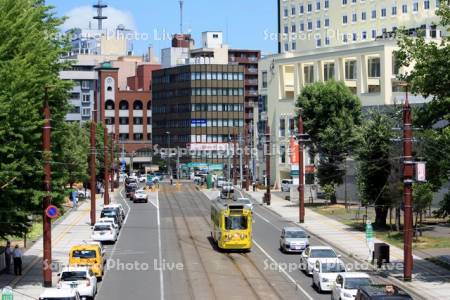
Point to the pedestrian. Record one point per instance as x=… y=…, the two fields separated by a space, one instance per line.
x=102 y=190
x=17 y=255
x=171 y=179
x=8 y=255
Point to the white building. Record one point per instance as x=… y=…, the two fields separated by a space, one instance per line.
x=310 y=24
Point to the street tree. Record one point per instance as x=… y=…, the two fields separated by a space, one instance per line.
x=374 y=165
x=29 y=65
x=422 y=198
x=331 y=116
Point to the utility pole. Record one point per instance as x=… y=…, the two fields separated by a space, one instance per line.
x=47 y=239
x=234 y=159
x=408 y=172
x=246 y=159
x=112 y=163
x=106 y=165
x=229 y=158
x=93 y=169
x=301 y=185
x=267 y=195
x=178 y=164
x=241 y=171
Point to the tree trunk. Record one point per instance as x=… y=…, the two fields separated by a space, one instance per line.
x=333 y=199
x=397 y=219
x=380 y=216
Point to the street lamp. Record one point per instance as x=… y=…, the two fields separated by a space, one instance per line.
x=169 y=169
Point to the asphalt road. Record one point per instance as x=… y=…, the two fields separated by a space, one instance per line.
x=164 y=252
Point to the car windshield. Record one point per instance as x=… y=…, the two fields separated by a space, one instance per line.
x=356 y=283
x=108 y=213
x=322 y=253
x=295 y=234
x=102 y=227
x=84 y=254
x=332 y=268
x=235 y=223
x=73 y=276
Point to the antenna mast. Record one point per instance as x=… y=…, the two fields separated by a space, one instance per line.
x=100 y=17
x=181 y=15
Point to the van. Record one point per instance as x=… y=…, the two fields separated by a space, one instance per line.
x=286 y=185
x=88 y=255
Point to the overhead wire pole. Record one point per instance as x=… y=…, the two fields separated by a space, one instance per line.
x=241 y=171
x=47 y=222
x=93 y=169
x=408 y=172
x=301 y=185
x=106 y=166
x=267 y=196
x=234 y=159
x=112 y=163
x=246 y=158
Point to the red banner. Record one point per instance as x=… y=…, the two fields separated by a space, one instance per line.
x=294 y=151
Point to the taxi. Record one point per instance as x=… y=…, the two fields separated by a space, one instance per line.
x=89 y=255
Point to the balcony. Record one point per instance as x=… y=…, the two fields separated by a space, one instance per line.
x=250 y=104
x=251 y=93
x=251 y=70
x=251 y=82
x=243 y=60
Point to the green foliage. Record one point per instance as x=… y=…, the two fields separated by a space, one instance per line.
x=422 y=196
x=331 y=116
x=374 y=164
x=29 y=62
x=330 y=191
x=444 y=210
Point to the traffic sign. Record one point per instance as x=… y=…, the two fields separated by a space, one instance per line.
x=51 y=212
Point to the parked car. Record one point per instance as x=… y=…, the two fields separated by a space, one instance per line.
x=89 y=255
x=82 y=194
x=111 y=221
x=286 y=185
x=58 y=294
x=116 y=205
x=112 y=212
x=246 y=202
x=293 y=239
x=311 y=254
x=140 y=196
x=81 y=279
x=143 y=178
x=103 y=232
x=347 y=285
x=325 y=272
x=382 y=292
x=99 y=244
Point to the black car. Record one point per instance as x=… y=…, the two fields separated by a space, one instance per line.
x=382 y=292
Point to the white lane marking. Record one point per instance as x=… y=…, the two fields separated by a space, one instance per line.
x=265 y=220
x=161 y=275
x=308 y=296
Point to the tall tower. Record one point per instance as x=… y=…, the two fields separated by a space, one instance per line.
x=99 y=17
x=181 y=16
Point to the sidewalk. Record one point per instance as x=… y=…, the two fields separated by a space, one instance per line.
x=73 y=229
x=429 y=280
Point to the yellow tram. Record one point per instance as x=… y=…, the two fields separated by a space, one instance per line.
x=231 y=225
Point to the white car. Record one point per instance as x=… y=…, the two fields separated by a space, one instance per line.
x=84 y=194
x=325 y=273
x=140 y=196
x=81 y=279
x=119 y=206
x=309 y=257
x=220 y=181
x=347 y=285
x=143 y=178
x=246 y=202
x=104 y=233
x=286 y=185
x=57 y=294
x=111 y=221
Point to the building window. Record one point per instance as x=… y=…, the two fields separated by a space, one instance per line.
x=344 y=2
x=318 y=24
x=318 y=43
x=394 y=10
x=374 y=33
x=344 y=20
x=86 y=112
x=327 y=41
x=374 y=67
x=286 y=12
x=416 y=6
x=426 y=4
x=85 y=85
x=395 y=65
x=109 y=105
x=109 y=88
x=350 y=70
x=123 y=105
x=374 y=14
x=318 y=5
x=328 y=71
x=354 y=18
x=124 y=136
x=138 y=136
x=283 y=154
x=286 y=47
x=364 y=35
x=293 y=28
x=405 y=8
x=137 y=105
x=309 y=7
x=124 y=121
x=344 y=38
x=294 y=46
x=355 y=37
x=138 y=121
x=363 y=16
x=86 y=98
x=109 y=121
x=293 y=10
x=327 y=4
x=374 y=89
x=308 y=73
x=264 y=79
x=149 y=120
x=286 y=30
x=327 y=22
x=302 y=9
x=310 y=25
x=282 y=127
x=302 y=26
x=383 y=12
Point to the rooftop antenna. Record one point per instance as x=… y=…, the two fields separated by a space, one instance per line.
x=181 y=15
x=100 y=17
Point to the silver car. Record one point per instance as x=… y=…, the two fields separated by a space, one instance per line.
x=293 y=239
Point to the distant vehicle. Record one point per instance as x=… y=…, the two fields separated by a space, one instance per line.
x=130 y=189
x=312 y=254
x=58 y=294
x=325 y=273
x=347 y=285
x=87 y=255
x=82 y=279
x=84 y=194
x=231 y=225
x=140 y=196
x=286 y=185
x=116 y=205
x=143 y=178
x=381 y=292
x=220 y=181
x=129 y=181
x=246 y=202
x=227 y=190
x=112 y=212
x=293 y=239
x=133 y=176
x=103 y=232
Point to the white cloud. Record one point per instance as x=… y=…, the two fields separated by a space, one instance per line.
x=80 y=17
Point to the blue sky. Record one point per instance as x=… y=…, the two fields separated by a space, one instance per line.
x=251 y=24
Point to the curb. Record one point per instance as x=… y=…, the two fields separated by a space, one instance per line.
x=396 y=281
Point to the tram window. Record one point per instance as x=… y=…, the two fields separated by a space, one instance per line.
x=235 y=223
